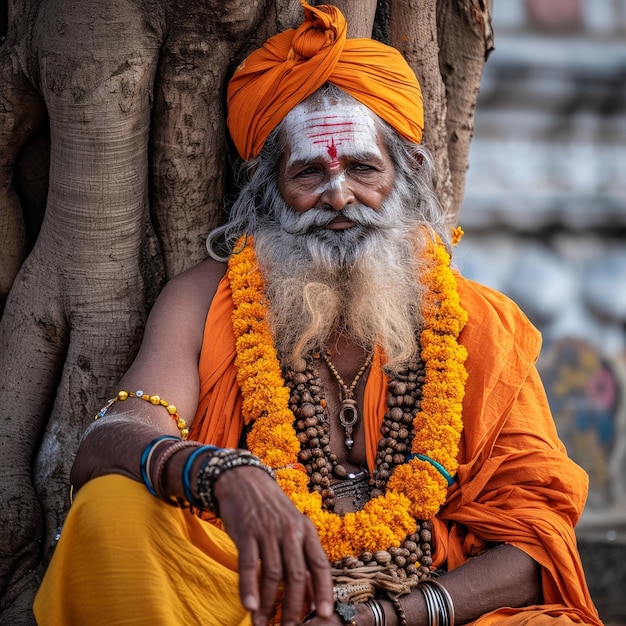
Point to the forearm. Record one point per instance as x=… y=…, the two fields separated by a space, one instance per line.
x=503 y=576
x=114 y=444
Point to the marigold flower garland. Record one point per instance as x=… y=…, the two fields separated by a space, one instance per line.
x=417 y=489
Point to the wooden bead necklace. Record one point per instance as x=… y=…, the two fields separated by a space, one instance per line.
x=348 y=413
x=307 y=401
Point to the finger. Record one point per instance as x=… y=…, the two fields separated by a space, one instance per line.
x=271 y=575
x=296 y=575
x=319 y=570
x=248 y=576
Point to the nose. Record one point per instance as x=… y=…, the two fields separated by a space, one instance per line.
x=337 y=193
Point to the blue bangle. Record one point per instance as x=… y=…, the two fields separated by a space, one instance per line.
x=187 y=474
x=440 y=468
x=144 y=462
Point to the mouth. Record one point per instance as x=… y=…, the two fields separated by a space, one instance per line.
x=340 y=223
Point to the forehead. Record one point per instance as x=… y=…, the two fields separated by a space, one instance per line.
x=328 y=129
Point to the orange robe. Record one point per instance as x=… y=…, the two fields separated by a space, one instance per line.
x=125 y=557
x=515 y=483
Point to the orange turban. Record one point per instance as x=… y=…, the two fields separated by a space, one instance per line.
x=294 y=64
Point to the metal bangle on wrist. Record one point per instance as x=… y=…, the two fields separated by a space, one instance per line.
x=377 y=611
x=439 y=604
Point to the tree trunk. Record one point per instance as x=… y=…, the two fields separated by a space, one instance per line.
x=116 y=107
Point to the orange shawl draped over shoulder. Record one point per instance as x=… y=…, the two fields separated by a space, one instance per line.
x=515 y=483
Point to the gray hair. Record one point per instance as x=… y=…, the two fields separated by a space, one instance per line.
x=255 y=207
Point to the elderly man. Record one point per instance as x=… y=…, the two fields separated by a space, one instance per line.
x=358 y=434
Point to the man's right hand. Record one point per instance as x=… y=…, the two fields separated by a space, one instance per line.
x=277 y=544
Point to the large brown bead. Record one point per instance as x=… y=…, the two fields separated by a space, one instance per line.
x=340 y=471
x=395 y=414
x=382 y=557
x=398 y=388
x=307 y=410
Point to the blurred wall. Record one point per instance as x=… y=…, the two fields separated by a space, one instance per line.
x=545 y=217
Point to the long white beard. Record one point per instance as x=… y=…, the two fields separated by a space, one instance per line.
x=363 y=281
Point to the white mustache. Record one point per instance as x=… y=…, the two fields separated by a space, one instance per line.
x=296 y=223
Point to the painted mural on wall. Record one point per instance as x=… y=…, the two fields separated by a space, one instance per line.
x=587 y=396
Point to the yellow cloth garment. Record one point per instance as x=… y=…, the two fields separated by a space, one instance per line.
x=295 y=63
x=124 y=557
x=165 y=566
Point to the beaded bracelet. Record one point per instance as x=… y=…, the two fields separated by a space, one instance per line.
x=194 y=502
x=155 y=400
x=402 y=621
x=215 y=465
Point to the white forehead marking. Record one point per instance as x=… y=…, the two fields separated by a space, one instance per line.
x=329 y=131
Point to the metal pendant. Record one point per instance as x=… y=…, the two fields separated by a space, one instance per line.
x=348 y=416
x=356 y=486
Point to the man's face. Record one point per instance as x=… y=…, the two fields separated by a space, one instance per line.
x=334 y=157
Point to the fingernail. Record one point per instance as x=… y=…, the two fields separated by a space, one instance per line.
x=325 y=609
x=250 y=603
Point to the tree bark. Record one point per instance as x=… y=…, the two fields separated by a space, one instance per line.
x=132 y=95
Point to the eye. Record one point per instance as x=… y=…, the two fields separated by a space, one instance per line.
x=363 y=167
x=307 y=171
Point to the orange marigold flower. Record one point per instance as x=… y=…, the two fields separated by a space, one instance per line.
x=416 y=490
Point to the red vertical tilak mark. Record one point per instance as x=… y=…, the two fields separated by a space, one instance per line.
x=332 y=150
x=332 y=153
